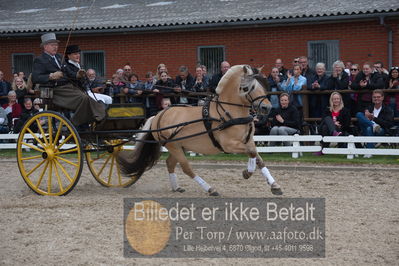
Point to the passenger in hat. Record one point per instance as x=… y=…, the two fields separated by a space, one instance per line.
x=77 y=75
x=47 y=71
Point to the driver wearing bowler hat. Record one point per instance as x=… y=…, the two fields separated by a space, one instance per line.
x=47 y=72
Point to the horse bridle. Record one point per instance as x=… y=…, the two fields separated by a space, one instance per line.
x=249 y=98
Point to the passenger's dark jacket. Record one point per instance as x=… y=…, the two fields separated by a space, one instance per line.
x=70 y=72
x=290 y=115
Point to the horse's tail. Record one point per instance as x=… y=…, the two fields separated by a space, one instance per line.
x=143 y=157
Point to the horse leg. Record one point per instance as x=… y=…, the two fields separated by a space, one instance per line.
x=251 y=166
x=180 y=157
x=275 y=188
x=171 y=165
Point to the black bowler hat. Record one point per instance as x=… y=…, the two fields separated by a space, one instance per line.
x=72 y=49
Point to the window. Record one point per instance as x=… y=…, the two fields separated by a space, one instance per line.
x=323 y=51
x=211 y=57
x=22 y=62
x=94 y=60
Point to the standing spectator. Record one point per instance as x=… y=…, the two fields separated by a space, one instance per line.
x=12 y=108
x=127 y=71
x=339 y=80
x=286 y=119
x=3 y=121
x=295 y=82
x=119 y=73
x=185 y=83
x=205 y=74
x=27 y=113
x=201 y=81
x=133 y=88
x=377 y=119
x=366 y=80
x=392 y=99
x=317 y=103
x=160 y=68
x=280 y=66
x=21 y=74
x=379 y=67
x=149 y=88
x=224 y=66
x=114 y=88
x=5 y=87
x=165 y=103
x=354 y=70
x=165 y=86
x=295 y=62
x=275 y=78
x=307 y=72
x=336 y=119
x=348 y=66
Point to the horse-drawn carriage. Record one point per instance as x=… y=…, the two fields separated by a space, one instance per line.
x=50 y=149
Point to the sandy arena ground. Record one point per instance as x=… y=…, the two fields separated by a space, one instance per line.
x=86 y=226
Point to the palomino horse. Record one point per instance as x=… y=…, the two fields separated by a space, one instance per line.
x=225 y=120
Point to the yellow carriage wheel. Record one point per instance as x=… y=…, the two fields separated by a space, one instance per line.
x=104 y=167
x=49 y=154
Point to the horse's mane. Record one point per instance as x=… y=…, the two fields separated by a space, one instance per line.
x=230 y=74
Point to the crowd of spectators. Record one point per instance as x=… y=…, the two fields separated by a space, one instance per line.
x=333 y=110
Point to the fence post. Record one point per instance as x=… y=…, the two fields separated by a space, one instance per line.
x=351 y=147
x=295 y=144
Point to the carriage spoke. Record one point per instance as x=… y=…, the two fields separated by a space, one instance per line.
x=41 y=131
x=99 y=157
x=50 y=173
x=32 y=147
x=58 y=132
x=119 y=173
x=31 y=158
x=42 y=174
x=66 y=151
x=58 y=176
x=110 y=170
x=67 y=161
x=65 y=141
x=35 y=137
x=50 y=129
x=63 y=170
x=104 y=164
x=34 y=168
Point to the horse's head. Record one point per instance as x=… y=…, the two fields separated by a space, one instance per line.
x=253 y=89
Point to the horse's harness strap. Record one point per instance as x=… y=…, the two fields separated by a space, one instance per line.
x=226 y=124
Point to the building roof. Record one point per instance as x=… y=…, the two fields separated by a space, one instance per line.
x=32 y=16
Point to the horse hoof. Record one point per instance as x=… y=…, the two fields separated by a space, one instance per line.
x=213 y=193
x=246 y=174
x=179 y=189
x=276 y=189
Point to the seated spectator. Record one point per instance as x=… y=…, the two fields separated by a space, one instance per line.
x=285 y=119
x=20 y=88
x=119 y=73
x=224 y=66
x=133 y=88
x=336 y=119
x=5 y=87
x=275 y=78
x=165 y=103
x=3 y=121
x=27 y=113
x=165 y=86
x=319 y=82
x=366 y=80
x=95 y=87
x=185 y=83
x=12 y=109
x=339 y=80
x=295 y=82
x=37 y=104
x=392 y=99
x=377 y=119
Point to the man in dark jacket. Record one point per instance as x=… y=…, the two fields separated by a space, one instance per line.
x=47 y=72
x=224 y=66
x=377 y=119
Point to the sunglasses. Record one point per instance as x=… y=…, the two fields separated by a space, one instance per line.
x=354 y=69
x=395 y=67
